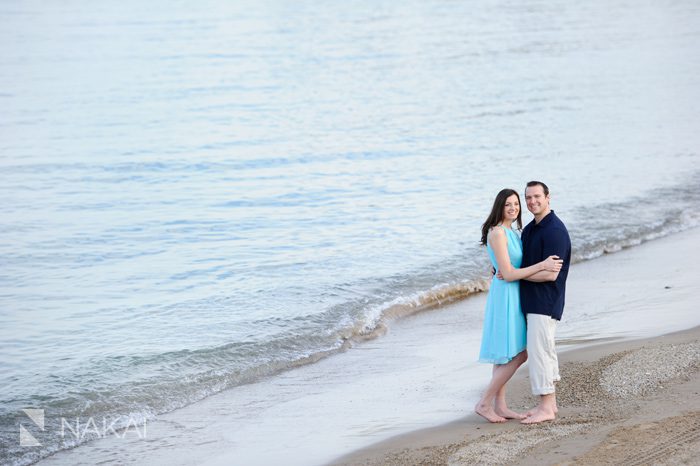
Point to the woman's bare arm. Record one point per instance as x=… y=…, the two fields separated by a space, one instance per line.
x=499 y=243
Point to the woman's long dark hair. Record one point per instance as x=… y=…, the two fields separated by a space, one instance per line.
x=496 y=215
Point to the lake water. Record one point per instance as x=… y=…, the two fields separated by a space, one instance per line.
x=197 y=197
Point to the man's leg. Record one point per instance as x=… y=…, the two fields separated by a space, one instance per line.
x=540 y=347
x=554 y=360
x=552 y=350
x=554 y=364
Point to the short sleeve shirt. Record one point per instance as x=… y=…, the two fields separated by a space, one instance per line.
x=541 y=240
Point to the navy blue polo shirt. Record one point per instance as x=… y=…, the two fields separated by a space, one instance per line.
x=541 y=240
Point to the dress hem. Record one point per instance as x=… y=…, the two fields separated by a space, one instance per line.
x=501 y=360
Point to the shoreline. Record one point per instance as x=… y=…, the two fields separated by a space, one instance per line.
x=421 y=374
x=615 y=399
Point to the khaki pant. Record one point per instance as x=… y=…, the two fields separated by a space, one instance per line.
x=541 y=354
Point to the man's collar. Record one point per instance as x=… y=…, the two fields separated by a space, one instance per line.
x=546 y=219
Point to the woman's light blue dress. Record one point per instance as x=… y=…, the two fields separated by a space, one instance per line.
x=504 y=323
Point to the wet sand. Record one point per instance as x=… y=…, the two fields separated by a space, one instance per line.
x=631 y=402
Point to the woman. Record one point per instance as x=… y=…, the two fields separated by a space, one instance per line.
x=503 y=342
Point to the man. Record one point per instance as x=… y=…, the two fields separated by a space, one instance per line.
x=542 y=298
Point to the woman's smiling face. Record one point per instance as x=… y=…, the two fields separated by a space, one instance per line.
x=512 y=208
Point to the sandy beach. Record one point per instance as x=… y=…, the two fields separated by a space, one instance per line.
x=633 y=402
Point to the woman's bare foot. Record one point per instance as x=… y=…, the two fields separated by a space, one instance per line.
x=488 y=413
x=539 y=415
x=507 y=413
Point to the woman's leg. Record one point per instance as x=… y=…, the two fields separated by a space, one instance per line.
x=501 y=375
x=501 y=407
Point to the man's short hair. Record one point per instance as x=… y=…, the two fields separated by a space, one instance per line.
x=538 y=183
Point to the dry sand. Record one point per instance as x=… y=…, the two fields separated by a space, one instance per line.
x=631 y=402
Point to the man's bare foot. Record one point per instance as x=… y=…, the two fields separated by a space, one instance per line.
x=539 y=416
x=488 y=413
x=536 y=408
x=508 y=413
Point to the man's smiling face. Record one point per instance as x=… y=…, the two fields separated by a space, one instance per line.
x=536 y=200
